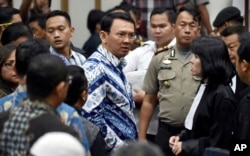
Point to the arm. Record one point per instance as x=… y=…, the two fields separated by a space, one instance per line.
x=243 y=120
x=131 y=60
x=220 y=131
x=70 y=117
x=138 y=96
x=205 y=17
x=94 y=108
x=24 y=9
x=148 y=106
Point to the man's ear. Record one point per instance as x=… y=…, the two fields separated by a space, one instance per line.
x=84 y=95
x=72 y=30
x=61 y=90
x=244 y=66
x=103 y=36
x=173 y=27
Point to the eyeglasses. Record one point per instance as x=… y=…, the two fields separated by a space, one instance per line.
x=10 y=64
x=123 y=35
x=69 y=79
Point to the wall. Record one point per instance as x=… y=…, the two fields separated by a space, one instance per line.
x=78 y=10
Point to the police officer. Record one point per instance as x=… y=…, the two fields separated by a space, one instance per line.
x=161 y=29
x=169 y=76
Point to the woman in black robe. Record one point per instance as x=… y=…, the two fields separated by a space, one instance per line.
x=209 y=122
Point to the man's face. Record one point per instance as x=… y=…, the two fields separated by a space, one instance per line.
x=241 y=68
x=232 y=43
x=120 y=38
x=16 y=18
x=58 y=32
x=186 y=29
x=41 y=5
x=38 y=32
x=161 y=29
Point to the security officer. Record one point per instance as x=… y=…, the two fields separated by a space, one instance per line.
x=161 y=30
x=169 y=77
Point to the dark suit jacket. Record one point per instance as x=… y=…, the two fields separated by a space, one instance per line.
x=212 y=123
x=242 y=119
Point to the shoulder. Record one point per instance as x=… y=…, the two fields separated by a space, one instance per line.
x=224 y=92
x=6 y=103
x=162 y=49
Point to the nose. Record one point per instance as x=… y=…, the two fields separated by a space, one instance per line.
x=56 y=33
x=126 y=38
x=192 y=60
x=187 y=29
x=157 y=29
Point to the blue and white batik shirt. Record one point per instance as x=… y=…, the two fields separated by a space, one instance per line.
x=110 y=104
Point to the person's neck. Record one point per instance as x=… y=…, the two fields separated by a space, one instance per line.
x=52 y=102
x=162 y=45
x=22 y=80
x=65 y=52
x=183 y=48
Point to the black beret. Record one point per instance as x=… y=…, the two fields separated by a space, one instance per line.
x=226 y=14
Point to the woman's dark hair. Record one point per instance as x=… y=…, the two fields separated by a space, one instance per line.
x=5 y=52
x=215 y=61
x=78 y=85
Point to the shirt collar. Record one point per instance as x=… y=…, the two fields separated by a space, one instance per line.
x=53 y=51
x=112 y=58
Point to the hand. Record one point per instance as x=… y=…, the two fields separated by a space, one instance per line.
x=173 y=140
x=177 y=148
x=138 y=96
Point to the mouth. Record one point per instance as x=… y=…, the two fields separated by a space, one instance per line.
x=15 y=76
x=125 y=49
x=187 y=37
x=57 y=42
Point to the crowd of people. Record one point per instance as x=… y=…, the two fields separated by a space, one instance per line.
x=180 y=93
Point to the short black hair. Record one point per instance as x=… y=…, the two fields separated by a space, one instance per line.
x=44 y=73
x=59 y=13
x=15 y=31
x=40 y=19
x=6 y=14
x=128 y=7
x=28 y=50
x=94 y=17
x=244 y=50
x=108 y=19
x=169 y=12
x=239 y=30
x=78 y=85
x=216 y=64
x=192 y=11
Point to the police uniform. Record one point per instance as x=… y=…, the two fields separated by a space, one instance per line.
x=170 y=75
x=137 y=64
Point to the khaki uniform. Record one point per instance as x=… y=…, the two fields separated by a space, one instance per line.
x=171 y=76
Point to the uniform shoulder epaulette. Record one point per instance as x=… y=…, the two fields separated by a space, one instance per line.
x=162 y=49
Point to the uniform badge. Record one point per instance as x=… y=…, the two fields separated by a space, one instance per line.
x=167 y=84
x=167 y=61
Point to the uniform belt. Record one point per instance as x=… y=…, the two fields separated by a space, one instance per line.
x=169 y=127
